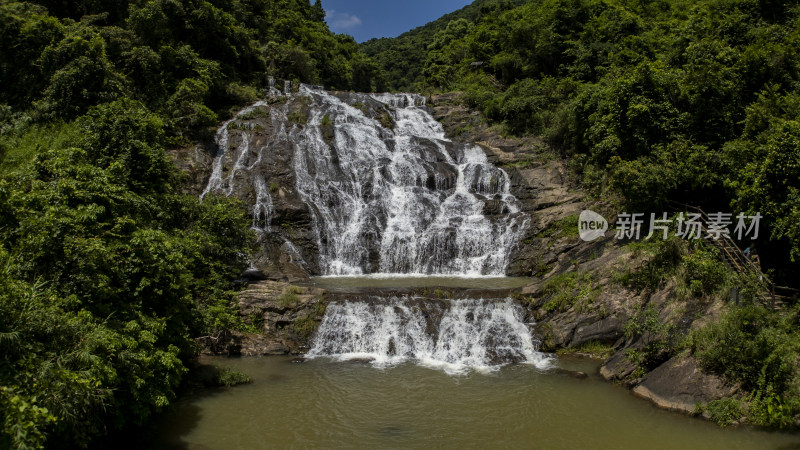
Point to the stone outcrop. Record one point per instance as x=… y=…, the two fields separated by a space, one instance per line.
x=282 y=318
x=679 y=385
x=287 y=243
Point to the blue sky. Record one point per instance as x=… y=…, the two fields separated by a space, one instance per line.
x=366 y=19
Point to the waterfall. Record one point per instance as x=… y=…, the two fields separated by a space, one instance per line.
x=452 y=335
x=401 y=198
x=386 y=190
x=386 y=194
x=244 y=160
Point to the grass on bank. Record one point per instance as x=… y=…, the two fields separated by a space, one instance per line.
x=569 y=289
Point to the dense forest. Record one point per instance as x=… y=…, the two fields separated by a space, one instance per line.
x=107 y=272
x=651 y=102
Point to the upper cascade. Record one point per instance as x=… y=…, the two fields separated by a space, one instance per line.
x=387 y=191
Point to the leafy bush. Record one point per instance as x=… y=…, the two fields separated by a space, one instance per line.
x=569 y=289
x=758 y=349
x=752 y=346
x=705 y=273
x=106 y=275
x=656 y=338
x=724 y=411
x=226 y=377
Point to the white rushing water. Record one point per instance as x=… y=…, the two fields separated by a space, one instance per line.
x=388 y=197
x=244 y=160
x=455 y=335
x=403 y=200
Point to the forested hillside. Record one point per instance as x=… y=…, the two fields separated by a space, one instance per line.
x=402 y=59
x=692 y=102
x=106 y=271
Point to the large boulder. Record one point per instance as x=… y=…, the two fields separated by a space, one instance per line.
x=680 y=385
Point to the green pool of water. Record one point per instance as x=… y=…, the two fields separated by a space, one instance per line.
x=325 y=404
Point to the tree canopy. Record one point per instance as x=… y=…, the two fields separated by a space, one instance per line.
x=107 y=271
x=689 y=102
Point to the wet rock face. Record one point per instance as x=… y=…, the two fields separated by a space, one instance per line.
x=354 y=183
x=282 y=318
x=347 y=184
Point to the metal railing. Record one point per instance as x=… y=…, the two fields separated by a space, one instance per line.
x=772 y=295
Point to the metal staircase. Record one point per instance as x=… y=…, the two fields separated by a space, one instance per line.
x=770 y=295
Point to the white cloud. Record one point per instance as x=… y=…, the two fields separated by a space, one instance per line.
x=342 y=20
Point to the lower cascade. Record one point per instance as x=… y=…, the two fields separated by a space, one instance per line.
x=453 y=335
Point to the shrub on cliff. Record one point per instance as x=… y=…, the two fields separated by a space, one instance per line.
x=757 y=349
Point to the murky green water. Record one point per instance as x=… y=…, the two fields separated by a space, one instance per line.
x=335 y=284
x=324 y=404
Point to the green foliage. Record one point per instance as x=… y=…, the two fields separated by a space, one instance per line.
x=645 y=321
x=402 y=60
x=126 y=139
x=569 y=289
x=723 y=411
x=757 y=348
x=187 y=61
x=19 y=146
x=387 y=121
x=768 y=183
x=666 y=257
x=106 y=276
x=704 y=272
x=227 y=377
x=771 y=409
x=752 y=346
x=292 y=289
x=566 y=227
x=656 y=340
x=289 y=296
x=298 y=118
x=304 y=326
